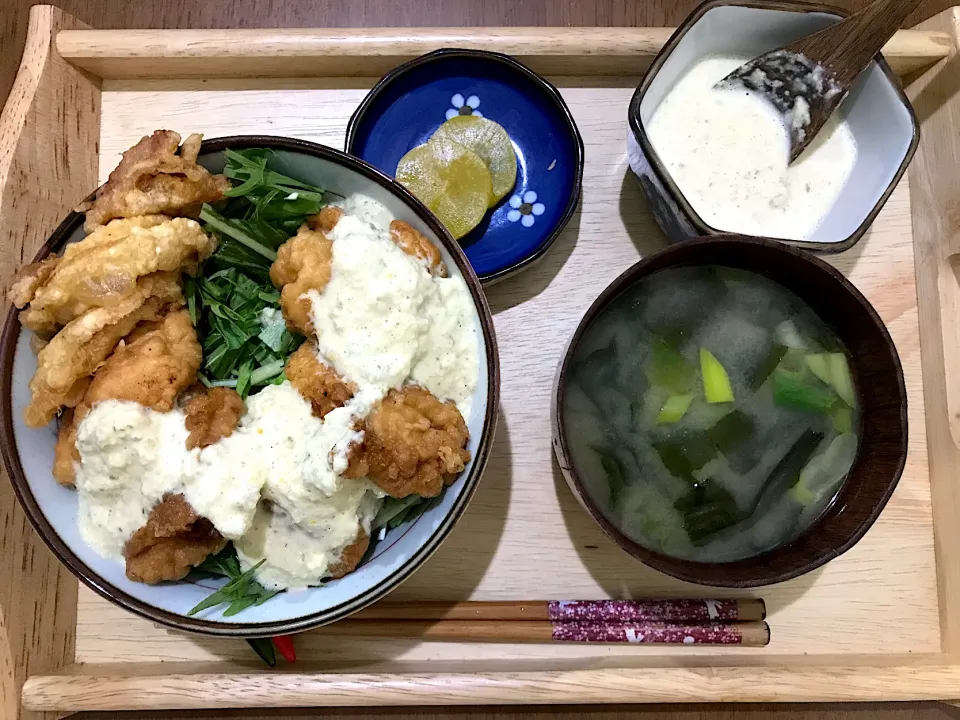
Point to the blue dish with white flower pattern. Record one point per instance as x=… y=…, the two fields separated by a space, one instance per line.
x=406 y=107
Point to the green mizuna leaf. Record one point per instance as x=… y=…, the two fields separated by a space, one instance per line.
x=242 y=590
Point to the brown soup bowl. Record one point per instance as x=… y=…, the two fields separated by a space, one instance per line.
x=878 y=379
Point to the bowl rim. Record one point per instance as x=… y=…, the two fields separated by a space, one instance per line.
x=11 y=458
x=359 y=116
x=666 y=180
x=660 y=561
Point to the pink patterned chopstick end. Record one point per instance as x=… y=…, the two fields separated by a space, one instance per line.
x=642 y=610
x=600 y=632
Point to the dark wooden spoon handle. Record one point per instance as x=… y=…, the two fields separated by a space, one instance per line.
x=847 y=47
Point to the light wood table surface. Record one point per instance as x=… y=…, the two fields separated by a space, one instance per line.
x=373 y=13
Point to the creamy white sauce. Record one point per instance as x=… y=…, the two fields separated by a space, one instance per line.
x=373 y=312
x=131 y=456
x=222 y=482
x=275 y=485
x=447 y=364
x=367 y=210
x=317 y=510
x=298 y=447
x=280 y=451
x=384 y=320
x=297 y=556
x=124 y=470
x=728 y=152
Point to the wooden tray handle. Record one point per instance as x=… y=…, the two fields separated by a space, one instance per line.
x=49 y=135
x=935 y=195
x=370 y=52
x=935 y=185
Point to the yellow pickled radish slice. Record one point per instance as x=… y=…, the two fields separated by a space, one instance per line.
x=450 y=180
x=417 y=171
x=488 y=140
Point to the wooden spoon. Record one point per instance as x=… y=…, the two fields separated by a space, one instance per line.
x=807 y=79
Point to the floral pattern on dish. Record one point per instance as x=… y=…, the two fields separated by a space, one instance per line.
x=525 y=208
x=463 y=106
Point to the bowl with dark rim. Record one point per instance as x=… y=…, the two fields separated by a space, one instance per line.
x=52 y=509
x=878 y=378
x=877 y=110
x=409 y=103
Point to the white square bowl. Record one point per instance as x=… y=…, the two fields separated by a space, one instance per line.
x=880 y=117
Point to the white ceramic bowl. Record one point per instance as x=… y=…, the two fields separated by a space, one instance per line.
x=28 y=452
x=879 y=115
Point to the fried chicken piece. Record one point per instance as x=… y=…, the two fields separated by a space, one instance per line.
x=153 y=365
x=174 y=540
x=302 y=264
x=352 y=555
x=66 y=362
x=152 y=178
x=416 y=244
x=413 y=444
x=65 y=452
x=212 y=415
x=31 y=278
x=317 y=382
x=38 y=343
x=104 y=267
x=325 y=220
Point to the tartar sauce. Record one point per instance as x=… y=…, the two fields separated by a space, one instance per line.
x=446 y=363
x=383 y=319
x=373 y=312
x=280 y=451
x=366 y=209
x=728 y=151
x=131 y=456
x=298 y=555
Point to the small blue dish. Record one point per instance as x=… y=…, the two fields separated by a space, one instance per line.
x=410 y=102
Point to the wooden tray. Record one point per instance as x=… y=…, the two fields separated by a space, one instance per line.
x=880 y=623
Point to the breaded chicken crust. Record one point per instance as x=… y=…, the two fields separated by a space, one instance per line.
x=351 y=557
x=325 y=220
x=302 y=264
x=416 y=244
x=104 y=267
x=153 y=365
x=65 y=363
x=212 y=415
x=65 y=452
x=318 y=383
x=413 y=444
x=31 y=278
x=152 y=178
x=174 y=540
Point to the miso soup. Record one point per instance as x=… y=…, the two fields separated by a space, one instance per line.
x=711 y=413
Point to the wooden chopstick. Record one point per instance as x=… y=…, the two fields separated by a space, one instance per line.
x=752 y=634
x=672 y=622
x=692 y=611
